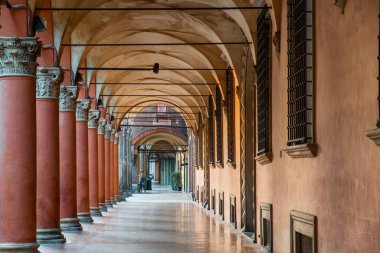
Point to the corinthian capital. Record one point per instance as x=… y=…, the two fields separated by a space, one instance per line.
x=108 y=130
x=48 y=81
x=116 y=138
x=83 y=105
x=113 y=132
x=67 y=97
x=101 y=125
x=93 y=117
x=18 y=56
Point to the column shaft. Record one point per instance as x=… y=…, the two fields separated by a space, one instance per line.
x=107 y=164
x=48 y=219
x=67 y=160
x=116 y=167
x=83 y=199
x=101 y=165
x=112 y=169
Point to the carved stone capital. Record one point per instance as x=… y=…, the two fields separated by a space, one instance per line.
x=102 y=125
x=116 y=138
x=67 y=98
x=93 y=117
x=18 y=56
x=108 y=130
x=113 y=132
x=48 y=82
x=83 y=105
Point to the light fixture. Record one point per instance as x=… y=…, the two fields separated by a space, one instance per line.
x=100 y=102
x=79 y=78
x=39 y=24
x=156 y=68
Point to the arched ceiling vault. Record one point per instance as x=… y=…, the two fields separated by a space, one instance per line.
x=110 y=27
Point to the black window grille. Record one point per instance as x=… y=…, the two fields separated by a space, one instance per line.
x=218 y=115
x=230 y=115
x=263 y=82
x=300 y=72
x=211 y=130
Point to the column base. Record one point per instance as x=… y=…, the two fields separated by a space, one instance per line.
x=113 y=201
x=95 y=212
x=85 y=217
x=71 y=225
x=19 y=247
x=102 y=207
x=121 y=196
x=109 y=203
x=50 y=236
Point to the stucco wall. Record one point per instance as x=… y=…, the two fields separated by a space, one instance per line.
x=341 y=185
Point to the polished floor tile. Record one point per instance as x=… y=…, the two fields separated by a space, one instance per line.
x=160 y=221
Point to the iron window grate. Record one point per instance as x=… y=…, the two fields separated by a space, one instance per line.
x=263 y=82
x=300 y=72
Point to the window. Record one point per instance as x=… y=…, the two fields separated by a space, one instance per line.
x=221 y=204
x=218 y=114
x=200 y=140
x=266 y=217
x=211 y=130
x=233 y=211
x=303 y=232
x=230 y=115
x=300 y=73
x=263 y=88
x=213 y=197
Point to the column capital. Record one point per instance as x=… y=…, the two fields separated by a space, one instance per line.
x=113 y=131
x=48 y=82
x=93 y=117
x=67 y=97
x=116 y=138
x=18 y=56
x=108 y=130
x=82 y=107
x=102 y=125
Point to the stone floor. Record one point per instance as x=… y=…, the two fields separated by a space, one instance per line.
x=160 y=221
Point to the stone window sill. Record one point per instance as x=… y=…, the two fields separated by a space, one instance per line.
x=264 y=158
x=374 y=135
x=302 y=151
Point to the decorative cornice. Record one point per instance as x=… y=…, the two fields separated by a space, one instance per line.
x=108 y=130
x=374 y=135
x=18 y=56
x=67 y=98
x=102 y=125
x=83 y=105
x=93 y=117
x=48 y=82
x=264 y=158
x=302 y=151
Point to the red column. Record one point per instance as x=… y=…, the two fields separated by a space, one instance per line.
x=83 y=191
x=101 y=172
x=93 y=118
x=112 y=169
x=47 y=94
x=116 y=167
x=67 y=159
x=18 y=143
x=107 y=171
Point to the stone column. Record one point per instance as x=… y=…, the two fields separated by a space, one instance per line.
x=18 y=141
x=112 y=169
x=67 y=159
x=83 y=200
x=116 y=168
x=47 y=94
x=101 y=164
x=107 y=137
x=93 y=118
